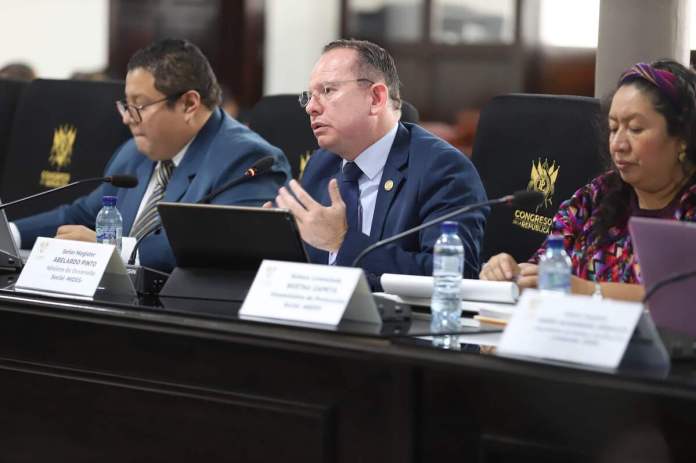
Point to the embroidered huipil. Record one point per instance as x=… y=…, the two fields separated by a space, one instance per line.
x=613 y=260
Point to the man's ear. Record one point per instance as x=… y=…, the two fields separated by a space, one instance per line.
x=380 y=97
x=191 y=101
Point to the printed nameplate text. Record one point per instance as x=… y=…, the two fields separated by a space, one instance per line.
x=309 y=293
x=577 y=329
x=69 y=267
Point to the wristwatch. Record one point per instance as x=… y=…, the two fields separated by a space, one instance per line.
x=597 y=290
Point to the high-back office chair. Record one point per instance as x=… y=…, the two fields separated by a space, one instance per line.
x=10 y=92
x=409 y=113
x=533 y=142
x=62 y=131
x=285 y=124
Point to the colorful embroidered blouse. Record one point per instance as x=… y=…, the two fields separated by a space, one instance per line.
x=613 y=260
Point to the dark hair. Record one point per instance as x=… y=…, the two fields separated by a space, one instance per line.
x=178 y=66
x=678 y=107
x=17 y=71
x=375 y=63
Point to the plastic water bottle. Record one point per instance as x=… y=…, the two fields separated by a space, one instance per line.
x=448 y=266
x=555 y=267
x=109 y=226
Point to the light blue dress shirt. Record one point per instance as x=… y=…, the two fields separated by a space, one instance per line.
x=371 y=162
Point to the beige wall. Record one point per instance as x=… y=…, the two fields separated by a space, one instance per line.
x=631 y=31
x=56 y=37
x=296 y=31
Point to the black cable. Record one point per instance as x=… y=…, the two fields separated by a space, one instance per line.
x=669 y=279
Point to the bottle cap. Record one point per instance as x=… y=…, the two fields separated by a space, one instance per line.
x=109 y=200
x=555 y=241
x=449 y=227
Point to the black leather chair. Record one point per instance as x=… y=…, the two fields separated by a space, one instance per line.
x=284 y=123
x=62 y=131
x=535 y=142
x=409 y=113
x=10 y=92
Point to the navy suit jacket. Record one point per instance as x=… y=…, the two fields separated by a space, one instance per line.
x=430 y=178
x=222 y=150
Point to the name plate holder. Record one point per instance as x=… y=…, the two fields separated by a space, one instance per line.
x=309 y=293
x=74 y=268
x=583 y=330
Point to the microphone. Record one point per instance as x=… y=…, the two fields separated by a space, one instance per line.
x=118 y=180
x=122 y=181
x=260 y=167
x=136 y=246
x=522 y=198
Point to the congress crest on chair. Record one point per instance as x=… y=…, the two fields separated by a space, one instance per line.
x=543 y=179
x=63 y=143
x=60 y=157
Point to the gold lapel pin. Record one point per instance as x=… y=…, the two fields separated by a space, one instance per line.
x=388 y=185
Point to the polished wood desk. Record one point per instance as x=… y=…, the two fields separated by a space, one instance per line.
x=99 y=381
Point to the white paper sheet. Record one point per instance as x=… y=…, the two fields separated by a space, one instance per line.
x=414 y=286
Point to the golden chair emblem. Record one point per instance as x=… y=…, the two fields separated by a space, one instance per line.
x=543 y=180
x=63 y=143
x=304 y=159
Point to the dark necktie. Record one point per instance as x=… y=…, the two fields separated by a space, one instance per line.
x=149 y=219
x=350 y=192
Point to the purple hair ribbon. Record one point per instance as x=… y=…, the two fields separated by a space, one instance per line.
x=663 y=80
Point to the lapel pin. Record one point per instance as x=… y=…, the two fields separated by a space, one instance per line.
x=388 y=185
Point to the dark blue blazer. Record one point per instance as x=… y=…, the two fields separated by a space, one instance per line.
x=222 y=150
x=430 y=178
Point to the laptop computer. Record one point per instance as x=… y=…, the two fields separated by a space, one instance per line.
x=219 y=248
x=230 y=237
x=10 y=257
x=666 y=252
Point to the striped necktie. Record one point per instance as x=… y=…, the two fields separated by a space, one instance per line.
x=149 y=219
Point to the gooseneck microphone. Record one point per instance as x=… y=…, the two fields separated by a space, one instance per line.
x=260 y=167
x=136 y=246
x=119 y=181
x=522 y=198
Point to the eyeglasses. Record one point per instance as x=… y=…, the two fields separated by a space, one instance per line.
x=326 y=90
x=134 y=111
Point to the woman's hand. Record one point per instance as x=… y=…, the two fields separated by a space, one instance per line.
x=528 y=276
x=501 y=267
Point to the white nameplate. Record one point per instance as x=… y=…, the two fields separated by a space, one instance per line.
x=309 y=293
x=74 y=268
x=577 y=329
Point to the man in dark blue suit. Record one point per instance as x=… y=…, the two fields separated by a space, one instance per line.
x=183 y=147
x=374 y=176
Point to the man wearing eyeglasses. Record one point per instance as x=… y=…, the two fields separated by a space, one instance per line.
x=373 y=176
x=183 y=147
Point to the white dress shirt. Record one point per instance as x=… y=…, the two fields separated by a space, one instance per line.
x=127 y=242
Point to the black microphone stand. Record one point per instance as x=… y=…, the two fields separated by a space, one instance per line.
x=668 y=280
x=146 y=280
x=42 y=193
x=505 y=199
